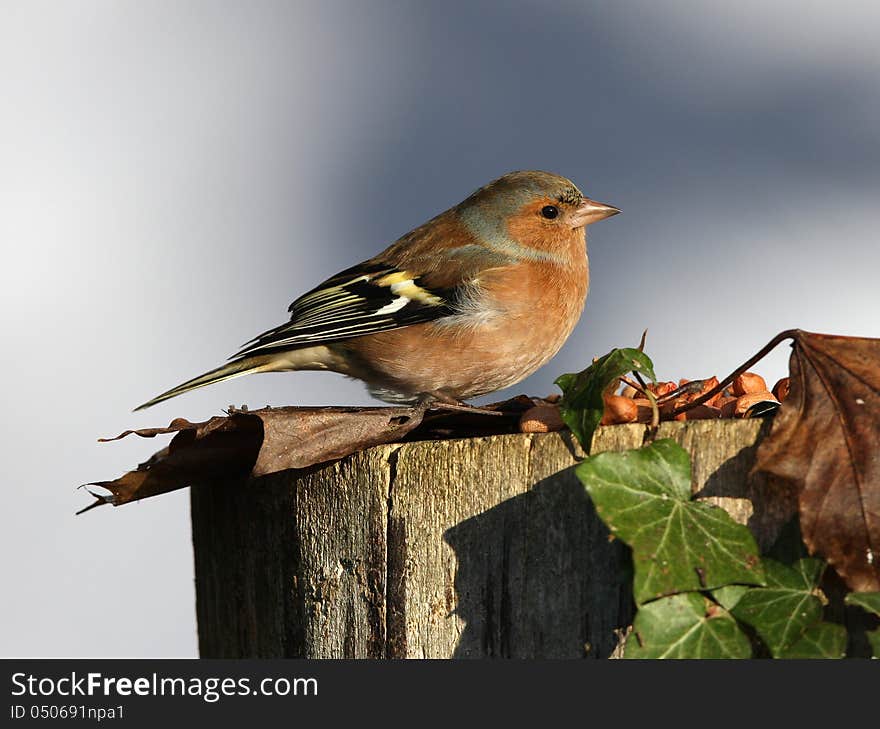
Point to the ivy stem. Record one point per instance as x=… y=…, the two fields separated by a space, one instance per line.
x=765 y=350
x=655 y=411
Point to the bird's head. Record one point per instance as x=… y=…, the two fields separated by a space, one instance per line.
x=536 y=209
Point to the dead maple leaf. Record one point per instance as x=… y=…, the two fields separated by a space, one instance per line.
x=825 y=440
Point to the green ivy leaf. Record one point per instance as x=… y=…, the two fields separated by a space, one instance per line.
x=809 y=570
x=782 y=611
x=686 y=626
x=729 y=595
x=678 y=545
x=582 y=404
x=820 y=640
x=869 y=601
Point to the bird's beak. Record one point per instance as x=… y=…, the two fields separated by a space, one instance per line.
x=590 y=211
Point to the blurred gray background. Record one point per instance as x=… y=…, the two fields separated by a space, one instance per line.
x=173 y=174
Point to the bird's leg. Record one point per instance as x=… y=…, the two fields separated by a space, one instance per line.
x=441 y=401
x=422 y=405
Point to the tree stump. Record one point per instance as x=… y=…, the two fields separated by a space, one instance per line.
x=470 y=548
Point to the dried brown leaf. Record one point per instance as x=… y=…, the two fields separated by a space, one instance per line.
x=824 y=441
x=219 y=448
x=325 y=434
x=260 y=442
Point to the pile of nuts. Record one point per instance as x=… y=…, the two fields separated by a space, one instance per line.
x=748 y=389
x=631 y=406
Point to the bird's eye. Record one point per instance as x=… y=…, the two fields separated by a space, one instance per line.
x=550 y=211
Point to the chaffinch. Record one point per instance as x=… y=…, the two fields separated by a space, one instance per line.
x=473 y=301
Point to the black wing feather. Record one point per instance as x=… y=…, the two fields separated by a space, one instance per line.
x=361 y=300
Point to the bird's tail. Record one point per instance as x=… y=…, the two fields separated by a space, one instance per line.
x=245 y=366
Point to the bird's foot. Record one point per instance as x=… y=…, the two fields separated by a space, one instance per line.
x=441 y=401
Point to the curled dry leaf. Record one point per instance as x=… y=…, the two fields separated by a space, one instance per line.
x=780 y=389
x=824 y=441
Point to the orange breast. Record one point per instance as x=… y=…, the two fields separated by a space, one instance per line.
x=518 y=317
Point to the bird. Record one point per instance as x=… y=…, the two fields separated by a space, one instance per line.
x=471 y=302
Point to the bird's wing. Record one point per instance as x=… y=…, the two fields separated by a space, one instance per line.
x=371 y=297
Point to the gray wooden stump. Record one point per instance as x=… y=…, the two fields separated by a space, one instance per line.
x=482 y=547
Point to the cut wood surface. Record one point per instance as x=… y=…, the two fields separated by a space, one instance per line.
x=480 y=547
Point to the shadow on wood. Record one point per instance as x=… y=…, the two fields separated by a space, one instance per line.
x=538 y=576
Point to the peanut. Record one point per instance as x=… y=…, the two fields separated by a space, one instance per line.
x=727 y=406
x=659 y=389
x=619 y=409
x=541 y=419
x=748 y=382
x=644 y=411
x=702 y=412
x=744 y=402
